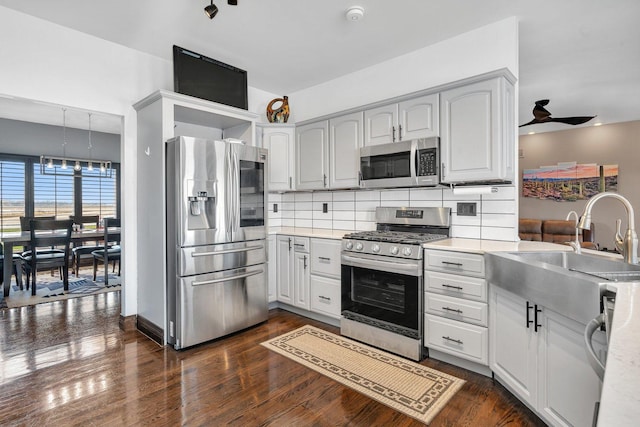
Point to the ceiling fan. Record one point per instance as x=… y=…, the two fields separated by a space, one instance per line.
x=541 y=115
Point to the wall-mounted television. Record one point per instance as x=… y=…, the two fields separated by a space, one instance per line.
x=202 y=77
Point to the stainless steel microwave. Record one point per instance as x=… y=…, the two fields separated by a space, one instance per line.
x=410 y=163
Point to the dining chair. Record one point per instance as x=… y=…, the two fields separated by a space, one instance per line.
x=47 y=233
x=111 y=253
x=25 y=222
x=78 y=251
x=16 y=265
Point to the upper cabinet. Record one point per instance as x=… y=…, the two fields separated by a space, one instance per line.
x=345 y=140
x=279 y=139
x=327 y=153
x=312 y=156
x=410 y=119
x=477 y=132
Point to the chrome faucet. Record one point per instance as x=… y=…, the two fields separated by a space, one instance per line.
x=575 y=244
x=630 y=241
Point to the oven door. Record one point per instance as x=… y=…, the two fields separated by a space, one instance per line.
x=383 y=292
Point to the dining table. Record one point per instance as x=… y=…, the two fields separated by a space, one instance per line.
x=11 y=240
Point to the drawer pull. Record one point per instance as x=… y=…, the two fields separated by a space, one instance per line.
x=452 y=309
x=459 y=288
x=452 y=340
x=324 y=298
x=457 y=264
x=299 y=244
x=324 y=258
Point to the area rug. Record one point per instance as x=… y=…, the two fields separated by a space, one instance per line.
x=50 y=288
x=415 y=390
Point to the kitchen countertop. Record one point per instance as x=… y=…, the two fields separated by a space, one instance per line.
x=483 y=246
x=310 y=232
x=620 y=399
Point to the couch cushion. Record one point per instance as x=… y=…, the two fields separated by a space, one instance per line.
x=530 y=229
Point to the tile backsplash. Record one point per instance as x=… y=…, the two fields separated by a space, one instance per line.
x=355 y=210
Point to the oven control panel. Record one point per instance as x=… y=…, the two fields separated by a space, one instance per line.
x=388 y=249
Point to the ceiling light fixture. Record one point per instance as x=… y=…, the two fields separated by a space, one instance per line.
x=597 y=124
x=211 y=10
x=50 y=165
x=355 y=13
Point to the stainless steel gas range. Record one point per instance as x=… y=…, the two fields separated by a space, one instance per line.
x=382 y=278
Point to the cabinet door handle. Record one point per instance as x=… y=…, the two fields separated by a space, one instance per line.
x=457 y=264
x=290 y=186
x=324 y=180
x=529 y=322
x=452 y=340
x=536 y=326
x=399 y=132
x=445 y=285
x=289 y=243
x=454 y=310
x=393 y=134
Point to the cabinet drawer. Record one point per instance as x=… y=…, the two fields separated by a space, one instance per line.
x=454 y=262
x=325 y=296
x=460 y=339
x=325 y=257
x=456 y=308
x=301 y=244
x=456 y=286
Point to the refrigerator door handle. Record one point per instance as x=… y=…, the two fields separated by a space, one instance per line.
x=226 y=279
x=226 y=251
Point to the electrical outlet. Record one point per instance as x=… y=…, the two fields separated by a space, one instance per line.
x=325 y=207
x=275 y=207
x=467 y=209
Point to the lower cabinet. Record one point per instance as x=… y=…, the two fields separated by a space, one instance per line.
x=540 y=355
x=308 y=273
x=272 y=267
x=293 y=270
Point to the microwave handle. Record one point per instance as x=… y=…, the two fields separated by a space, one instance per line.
x=414 y=165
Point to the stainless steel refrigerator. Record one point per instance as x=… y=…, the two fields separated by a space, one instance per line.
x=216 y=231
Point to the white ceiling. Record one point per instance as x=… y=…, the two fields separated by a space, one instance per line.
x=583 y=55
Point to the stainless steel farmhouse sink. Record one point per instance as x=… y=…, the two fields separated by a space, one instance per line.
x=568 y=283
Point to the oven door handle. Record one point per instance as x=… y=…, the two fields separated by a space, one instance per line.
x=395 y=266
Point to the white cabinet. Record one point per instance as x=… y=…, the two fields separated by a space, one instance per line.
x=456 y=310
x=345 y=141
x=272 y=266
x=540 y=355
x=325 y=284
x=312 y=156
x=279 y=140
x=293 y=270
x=284 y=275
x=328 y=153
x=477 y=132
x=410 y=119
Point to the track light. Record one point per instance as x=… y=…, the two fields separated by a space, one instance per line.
x=232 y=2
x=211 y=10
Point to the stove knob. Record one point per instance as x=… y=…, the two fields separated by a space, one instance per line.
x=406 y=251
x=394 y=250
x=359 y=246
x=375 y=248
x=349 y=245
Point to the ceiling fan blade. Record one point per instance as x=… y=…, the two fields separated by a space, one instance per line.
x=571 y=120
x=532 y=122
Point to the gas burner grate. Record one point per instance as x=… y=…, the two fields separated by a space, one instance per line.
x=407 y=238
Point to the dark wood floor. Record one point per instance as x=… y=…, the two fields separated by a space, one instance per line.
x=68 y=363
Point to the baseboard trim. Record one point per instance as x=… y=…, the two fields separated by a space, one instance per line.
x=127 y=323
x=150 y=329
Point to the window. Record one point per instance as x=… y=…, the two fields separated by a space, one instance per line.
x=25 y=191
x=12 y=205
x=99 y=195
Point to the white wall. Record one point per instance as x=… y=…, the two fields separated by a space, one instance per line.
x=479 y=51
x=43 y=61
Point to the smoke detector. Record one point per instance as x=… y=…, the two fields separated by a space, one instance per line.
x=355 y=13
